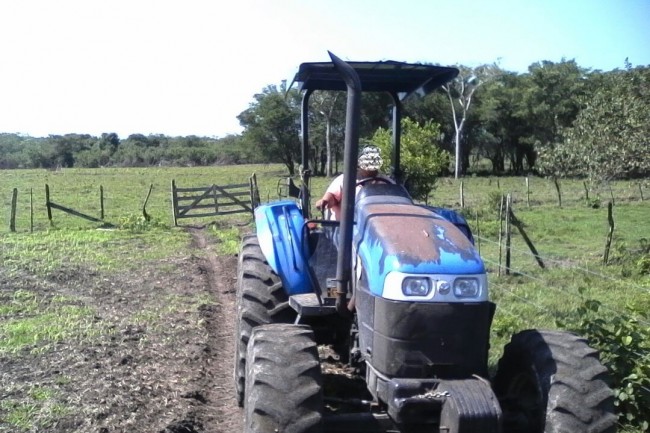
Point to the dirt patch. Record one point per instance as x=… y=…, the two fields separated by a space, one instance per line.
x=161 y=363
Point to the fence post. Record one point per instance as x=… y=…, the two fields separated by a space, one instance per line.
x=478 y=234
x=515 y=222
x=101 y=202
x=31 y=210
x=508 y=230
x=641 y=190
x=14 y=201
x=174 y=203
x=146 y=216
x=610 y=219
x=500 y=232
x=462 y=195
x=559 y=191
x=216 y=200
x=47 y=203
x=584 y=184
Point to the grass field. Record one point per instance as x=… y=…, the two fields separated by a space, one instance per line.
x=570 y=241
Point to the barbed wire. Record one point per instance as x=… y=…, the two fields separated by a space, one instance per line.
x=554 y=260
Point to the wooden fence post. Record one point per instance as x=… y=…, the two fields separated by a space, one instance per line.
x=508 y=230
x=478 y=234
x=216 y=199
x=47 y=203
x=462 y=195
x=146 y=216
x=608 y=244
x=586 y=192
x=174 y=203
x=14 y=202
x=31 y=210
x=500 y=233
x=559 y=191
x=641 y=190
x=101 y=202
x=515 y=222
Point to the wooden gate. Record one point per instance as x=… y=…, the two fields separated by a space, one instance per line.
x=214 y=200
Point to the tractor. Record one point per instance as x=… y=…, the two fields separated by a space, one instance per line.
x=388 y=329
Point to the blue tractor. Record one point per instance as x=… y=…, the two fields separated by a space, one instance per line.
x=388 y=328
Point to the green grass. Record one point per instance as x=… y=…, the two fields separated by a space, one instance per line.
x=46 y=327
x=41 y=253
x=38 y=410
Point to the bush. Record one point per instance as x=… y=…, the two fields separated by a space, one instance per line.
x=624 y=345
x=422 y=158
x=138 y=223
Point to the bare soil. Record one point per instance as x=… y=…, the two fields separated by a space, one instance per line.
x=164 y=363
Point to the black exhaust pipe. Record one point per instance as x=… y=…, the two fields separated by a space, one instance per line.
x=352 y=121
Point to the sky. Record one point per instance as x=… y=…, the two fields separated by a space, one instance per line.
x=190 y=67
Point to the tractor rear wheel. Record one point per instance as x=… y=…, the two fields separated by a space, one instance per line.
x=283 y=381
x=553 y=382
x=261 y=299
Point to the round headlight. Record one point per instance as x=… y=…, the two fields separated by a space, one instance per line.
x=444 y=287
x=414 y=286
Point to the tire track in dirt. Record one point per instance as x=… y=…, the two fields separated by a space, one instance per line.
x=221 y=413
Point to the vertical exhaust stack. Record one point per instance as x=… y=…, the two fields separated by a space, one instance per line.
x=352 y=120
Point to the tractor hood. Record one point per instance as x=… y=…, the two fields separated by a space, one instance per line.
x=410 y=239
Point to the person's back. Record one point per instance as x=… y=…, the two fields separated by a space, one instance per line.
x=368 y=166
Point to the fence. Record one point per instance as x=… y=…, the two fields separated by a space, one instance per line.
x=535 y=191
x=214 y=200
x=38 y=211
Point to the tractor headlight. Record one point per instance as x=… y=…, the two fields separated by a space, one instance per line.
x=467 y=287
x=416 y=286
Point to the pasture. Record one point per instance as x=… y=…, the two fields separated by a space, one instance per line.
x=75 y=285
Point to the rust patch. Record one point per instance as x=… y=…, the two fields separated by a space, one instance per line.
x=415 y=234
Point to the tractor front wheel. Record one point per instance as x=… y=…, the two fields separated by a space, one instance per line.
x=283 y=381
x=553 y=382
x=261 y=300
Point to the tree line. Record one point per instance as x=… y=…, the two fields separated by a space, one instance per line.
x=557 y=119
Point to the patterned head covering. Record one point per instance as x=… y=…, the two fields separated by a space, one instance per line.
x=370 y=158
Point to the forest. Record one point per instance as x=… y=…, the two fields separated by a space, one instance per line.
x=556 y=119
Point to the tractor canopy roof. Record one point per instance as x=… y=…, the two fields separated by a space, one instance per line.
x=390 y=76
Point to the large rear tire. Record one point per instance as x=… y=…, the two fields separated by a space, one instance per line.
x=261 y=299
x=553 y=382
x=283 y=381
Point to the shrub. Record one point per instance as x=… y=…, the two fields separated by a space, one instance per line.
x=138 y=223
x=624 y=345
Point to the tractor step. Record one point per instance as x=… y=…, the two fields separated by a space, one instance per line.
x=308 y=304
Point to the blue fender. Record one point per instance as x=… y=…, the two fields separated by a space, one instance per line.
x=280 y=233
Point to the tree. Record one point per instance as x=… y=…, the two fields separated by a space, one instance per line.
x=330 y=107
x=504 y=120
x=271 y=125
x=553 y=99
x=610 y=137
x=422 y=159
x=460 y=92
x=109 y=141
